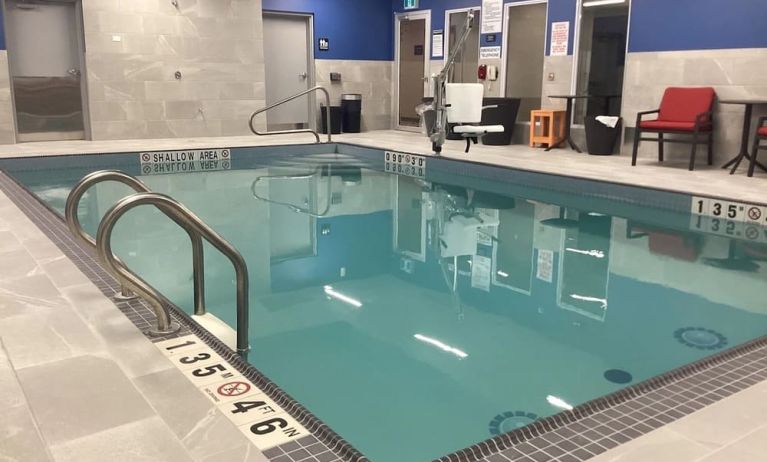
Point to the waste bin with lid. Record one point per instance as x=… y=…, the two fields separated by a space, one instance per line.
x=600 y=138
x=335 y=119
x=351 y=108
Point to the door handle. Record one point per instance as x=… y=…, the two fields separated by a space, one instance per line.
x=303 y=75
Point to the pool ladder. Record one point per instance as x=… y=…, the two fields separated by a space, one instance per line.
x=184 y=218
x=302 y=130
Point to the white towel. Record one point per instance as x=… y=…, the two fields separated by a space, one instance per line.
x=609 y=121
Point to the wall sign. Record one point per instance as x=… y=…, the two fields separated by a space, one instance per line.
x=250 y=409
x=490 y=53
x=437 y=43
x=324 y=44
x=545 y=268
x=560 y=38
x=492 y=16
x=410 y=4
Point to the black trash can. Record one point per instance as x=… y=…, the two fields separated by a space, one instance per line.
x=601 y=139
x=335 y=119
x=504 y=113
x=351 y=109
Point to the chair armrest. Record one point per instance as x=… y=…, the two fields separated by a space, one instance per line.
x=704 y=117
x=641 y=115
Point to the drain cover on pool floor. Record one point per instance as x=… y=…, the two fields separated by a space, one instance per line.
x=618 y=376
x=510 y=421
x=701 y=338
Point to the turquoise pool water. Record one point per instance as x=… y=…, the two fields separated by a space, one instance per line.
x=418 y=316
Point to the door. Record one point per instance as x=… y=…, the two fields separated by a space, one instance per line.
x=288 y=58
x=525 y=47
x=45 y=57
x=467 y=61
x=413 y=53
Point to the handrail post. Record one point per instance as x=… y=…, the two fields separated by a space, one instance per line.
x=197 y=230
x=73 y=203
x=304 y=130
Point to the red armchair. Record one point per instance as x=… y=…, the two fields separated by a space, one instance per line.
x=761 y=135
x=683 y=111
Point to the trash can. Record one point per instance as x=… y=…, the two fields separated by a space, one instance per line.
x=351 y=108
x=601 y=139
x=335 y=119
x=504 y=113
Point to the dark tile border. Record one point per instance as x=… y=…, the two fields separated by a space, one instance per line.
x=576 y=435
x=140 y=313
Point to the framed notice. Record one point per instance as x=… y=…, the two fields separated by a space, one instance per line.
x=492 y=16
x=560 y=38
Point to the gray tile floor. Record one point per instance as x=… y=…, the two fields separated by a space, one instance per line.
x=79 y=382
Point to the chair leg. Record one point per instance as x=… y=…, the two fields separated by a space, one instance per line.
x=637 y=137
x=711 y=148
x=754 y=154
x=660 y=147
x=694 y=150
x=468 y=144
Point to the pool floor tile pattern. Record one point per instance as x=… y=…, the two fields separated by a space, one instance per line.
x=577 y=435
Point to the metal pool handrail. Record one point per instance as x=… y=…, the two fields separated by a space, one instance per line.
x=197 y=230
x=73 y=203
x=292 y=207
x=303 y=130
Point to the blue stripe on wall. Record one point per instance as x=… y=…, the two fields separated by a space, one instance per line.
x=671 y=25
x=357 y=29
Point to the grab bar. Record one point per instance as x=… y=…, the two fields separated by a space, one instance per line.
x=73 y=203
x=197 y=230
x=303 y=130
x=295 y=177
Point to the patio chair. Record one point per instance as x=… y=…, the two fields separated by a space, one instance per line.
x=761 y=135
x=683 y=111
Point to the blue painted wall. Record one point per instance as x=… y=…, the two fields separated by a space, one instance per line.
x=357 y=29
x=664 y=25
x=2 y=30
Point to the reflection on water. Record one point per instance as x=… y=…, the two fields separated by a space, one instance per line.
x=406 y=305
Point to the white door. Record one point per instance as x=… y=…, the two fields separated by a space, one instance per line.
x=413 y=50
x=45 y=56
x=288 y=57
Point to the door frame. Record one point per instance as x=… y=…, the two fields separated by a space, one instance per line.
x=576 y=56
x=446 y=36
x=84 y=94
x=505 y=41
x=418 y=14
x=311 y=78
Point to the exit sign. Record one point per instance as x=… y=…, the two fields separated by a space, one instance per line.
x=410 y=4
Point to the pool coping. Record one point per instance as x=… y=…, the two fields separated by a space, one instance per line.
x=578 y=434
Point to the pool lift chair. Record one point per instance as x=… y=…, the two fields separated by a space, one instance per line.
x=457 y=103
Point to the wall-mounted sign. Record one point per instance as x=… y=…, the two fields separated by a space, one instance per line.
x=491 y=38
x=490 y=53
x=492 y=16
x=560 y=38
x=324 y=44
x=437 y=41
x=410 y=4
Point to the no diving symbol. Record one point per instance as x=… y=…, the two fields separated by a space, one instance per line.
x=755 y=213
x=233 y=389
x=225 y=154
x=145 y=157
x=752 y=233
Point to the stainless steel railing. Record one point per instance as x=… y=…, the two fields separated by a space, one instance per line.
x=293 y=207
x=73 y=203
x=303 y=130
x=197 y=231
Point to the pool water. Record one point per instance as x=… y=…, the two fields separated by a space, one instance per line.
x=417 y=317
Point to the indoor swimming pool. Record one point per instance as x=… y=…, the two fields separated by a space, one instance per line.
x=419 y=306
